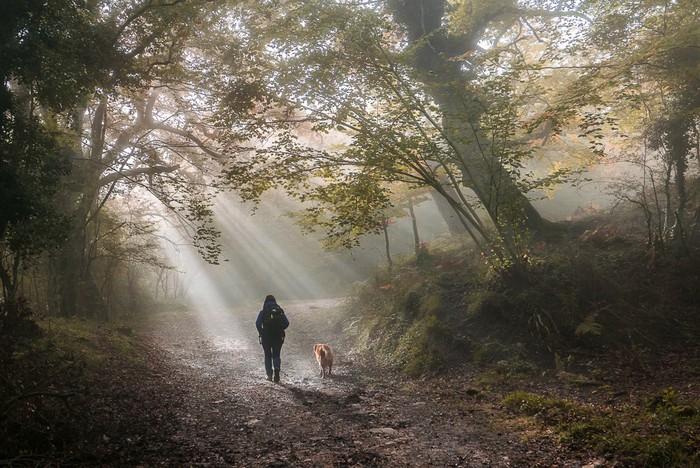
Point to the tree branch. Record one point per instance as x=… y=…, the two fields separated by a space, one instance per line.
x=189 y=136
x=114 y=176
x=523 y=13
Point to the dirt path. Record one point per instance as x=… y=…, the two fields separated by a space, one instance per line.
x=205 y=402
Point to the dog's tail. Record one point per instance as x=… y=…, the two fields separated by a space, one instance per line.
x=322 y=352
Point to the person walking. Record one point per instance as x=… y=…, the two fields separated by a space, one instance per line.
x=271 y=324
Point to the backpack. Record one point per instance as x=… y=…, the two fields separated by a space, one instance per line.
x=273 y=321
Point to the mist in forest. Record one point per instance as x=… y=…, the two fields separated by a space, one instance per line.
x=333 y=120
x=264 y=252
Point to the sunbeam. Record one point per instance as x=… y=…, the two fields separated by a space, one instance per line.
x=258 y=250
x=262 y=253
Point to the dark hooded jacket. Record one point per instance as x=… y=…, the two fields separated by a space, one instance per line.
x=270 y=303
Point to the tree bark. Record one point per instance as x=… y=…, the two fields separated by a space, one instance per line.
x=454 y=225
x=414 y=225
x=447 y=81
x=385 y=225
x=75 y=290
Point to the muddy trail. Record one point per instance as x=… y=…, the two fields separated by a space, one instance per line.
x=204 y=401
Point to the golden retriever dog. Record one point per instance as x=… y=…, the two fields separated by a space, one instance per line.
x=324 y=357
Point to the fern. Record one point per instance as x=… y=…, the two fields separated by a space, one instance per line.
x=589 y=326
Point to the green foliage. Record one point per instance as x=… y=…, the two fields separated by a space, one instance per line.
x=639 y=92
x=576 y=293
x=530 y=404
x=345 y=71
x=586 y=302
x=195 y=206
x=433 y=304
x=346 y=209
x=31 y=166
x=421 y=350
x=44 y=383
x=503 y=364
x=656 y=436
x=408 y=324
x=62 y=65
x=58 y=49
x=468 y=16
x=589 y=326
x=84 y=340
x=485 y=302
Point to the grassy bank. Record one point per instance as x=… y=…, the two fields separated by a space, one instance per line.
x=596 y=344
x=53 y=374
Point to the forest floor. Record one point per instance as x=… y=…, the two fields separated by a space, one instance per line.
x=200 y=398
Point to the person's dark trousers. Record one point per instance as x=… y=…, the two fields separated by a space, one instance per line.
x=272 y=348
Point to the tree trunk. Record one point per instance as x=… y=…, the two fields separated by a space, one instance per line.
x=454 y=225
x=414 y=225
x=448 y=84
x=65 y=273
x=385 y=225
x=75 y=291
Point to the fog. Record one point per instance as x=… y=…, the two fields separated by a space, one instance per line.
x=264 y=252
x=596 y=190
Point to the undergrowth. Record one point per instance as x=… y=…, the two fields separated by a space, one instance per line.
x=45 y=380
x=661 y=432
x=585 y=313
x=574 y=296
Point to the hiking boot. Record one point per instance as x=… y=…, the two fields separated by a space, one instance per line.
x=277 y=375
x=269 y=377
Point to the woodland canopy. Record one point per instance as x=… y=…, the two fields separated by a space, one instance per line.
x=500 y=197
x=119 y=115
